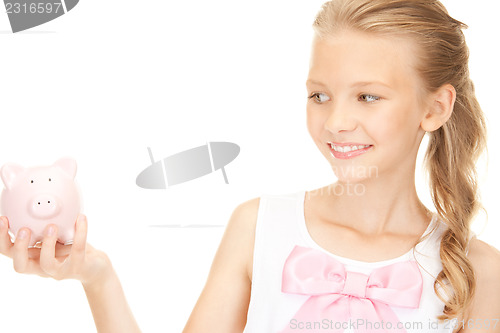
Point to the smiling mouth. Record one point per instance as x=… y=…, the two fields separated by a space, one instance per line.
x=344 y=151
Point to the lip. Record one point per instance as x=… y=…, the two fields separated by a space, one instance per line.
x=350 y=154
x=347 y=144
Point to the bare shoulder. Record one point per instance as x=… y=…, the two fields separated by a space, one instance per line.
x=244 y=218
x=484 y=258
x=223 y=303
x=485 y=308
x=245 y=214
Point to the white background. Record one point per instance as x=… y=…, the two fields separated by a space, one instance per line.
x=111 y=78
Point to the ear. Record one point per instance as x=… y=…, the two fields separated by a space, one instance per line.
x=439 y=109
x=68 y=165
x=9 y=172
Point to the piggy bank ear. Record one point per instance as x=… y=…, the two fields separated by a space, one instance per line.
x=68 y=165
x=9 y=172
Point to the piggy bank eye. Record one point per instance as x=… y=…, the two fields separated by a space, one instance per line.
x=50 y=179
x=32 y=181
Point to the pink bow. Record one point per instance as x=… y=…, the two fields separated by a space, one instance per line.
x=342 y=299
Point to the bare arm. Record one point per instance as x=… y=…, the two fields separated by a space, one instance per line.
x=108 y=304
x=223 y=304
x=484 y=312
x=78 y=261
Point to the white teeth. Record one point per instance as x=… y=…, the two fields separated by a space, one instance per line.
x=345 y=149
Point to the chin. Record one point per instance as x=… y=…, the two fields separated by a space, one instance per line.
x=354 y=172
x=348 y=186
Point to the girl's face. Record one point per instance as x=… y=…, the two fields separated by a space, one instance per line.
x=364 y=90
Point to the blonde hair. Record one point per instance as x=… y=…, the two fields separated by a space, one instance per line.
x=453 y=148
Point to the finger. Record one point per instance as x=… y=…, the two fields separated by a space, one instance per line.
x=80 y=240
x=62 y=250
x=33 y=253
x=20 y=250
x=5 y=242
x=48 y=262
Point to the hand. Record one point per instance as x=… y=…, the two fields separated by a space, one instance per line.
x=78 y=261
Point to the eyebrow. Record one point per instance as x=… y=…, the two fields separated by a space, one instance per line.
x=369 y=83
x=314 y=82
x=357 y=84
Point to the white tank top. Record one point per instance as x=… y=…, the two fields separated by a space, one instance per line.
x=281 y=226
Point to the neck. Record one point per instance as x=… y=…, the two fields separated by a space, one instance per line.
x=378 y=205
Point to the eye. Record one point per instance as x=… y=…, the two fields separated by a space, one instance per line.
x=368 y=98
x=50 y=179
x=319 y=97
x=32 y=181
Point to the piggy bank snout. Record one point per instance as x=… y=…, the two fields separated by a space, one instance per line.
x=44 y=206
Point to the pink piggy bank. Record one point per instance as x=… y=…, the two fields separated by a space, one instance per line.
x=38 y=196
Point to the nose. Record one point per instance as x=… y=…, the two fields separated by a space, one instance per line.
x=340 y=118
x=44 y=206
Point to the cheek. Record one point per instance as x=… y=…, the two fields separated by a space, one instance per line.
x=396 y=127
x=315 y=123
x=387 y=131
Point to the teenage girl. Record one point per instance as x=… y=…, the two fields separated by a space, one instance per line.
x=362 y=254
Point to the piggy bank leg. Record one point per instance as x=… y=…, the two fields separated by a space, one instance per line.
x=34 y=241
x=66 y=237
x=12 y=235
